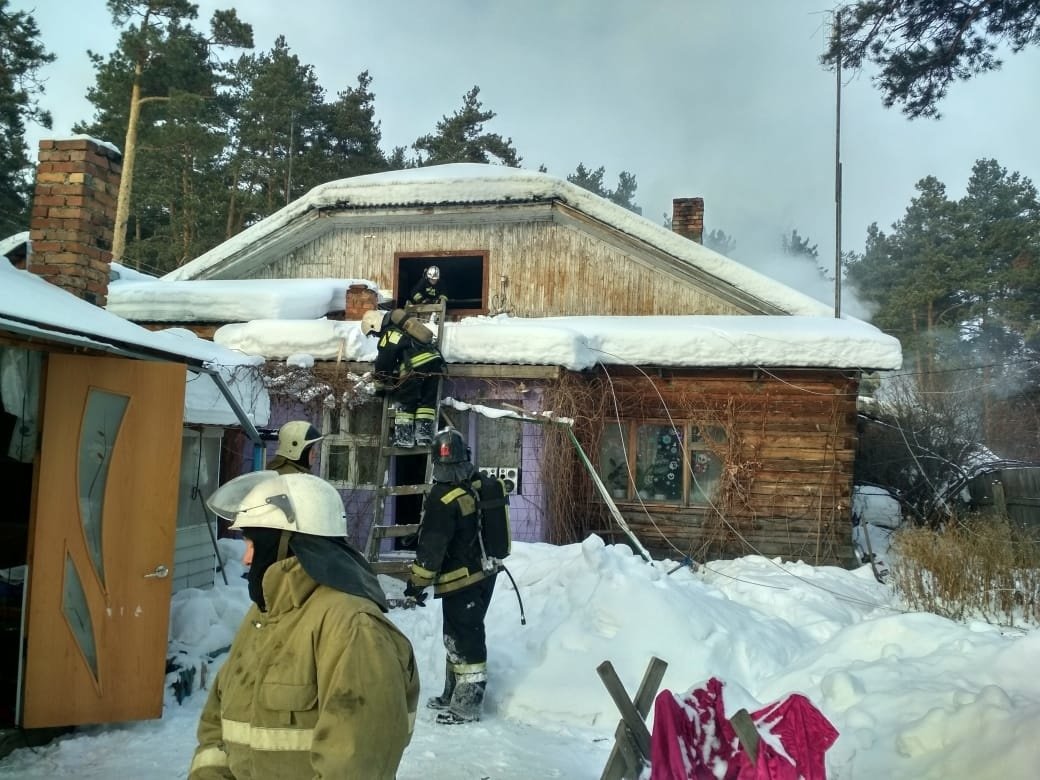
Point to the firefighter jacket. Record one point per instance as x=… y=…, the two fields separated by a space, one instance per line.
x=425 y=292
x=283 y=465
x=447 y=553
x=399 y=354
x=321 y=685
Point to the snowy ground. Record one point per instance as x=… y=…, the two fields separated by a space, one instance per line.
x=913 y=695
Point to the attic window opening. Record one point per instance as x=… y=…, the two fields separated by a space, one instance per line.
x=463 y=278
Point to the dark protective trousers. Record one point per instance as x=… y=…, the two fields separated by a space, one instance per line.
x=416 y=396
x=466 y=646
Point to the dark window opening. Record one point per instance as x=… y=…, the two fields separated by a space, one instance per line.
x=463 y=279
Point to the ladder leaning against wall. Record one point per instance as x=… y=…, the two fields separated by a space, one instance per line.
x=381 y=535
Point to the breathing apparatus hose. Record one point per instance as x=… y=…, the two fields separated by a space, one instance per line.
x=520 y=601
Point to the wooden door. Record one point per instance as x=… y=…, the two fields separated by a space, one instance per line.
x=101 y=541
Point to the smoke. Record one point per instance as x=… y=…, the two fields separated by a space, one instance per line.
x=761 y=250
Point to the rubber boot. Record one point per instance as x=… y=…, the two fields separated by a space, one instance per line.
x=423 y=433
x=404 y=434
x=443 y=701
x=467 y=700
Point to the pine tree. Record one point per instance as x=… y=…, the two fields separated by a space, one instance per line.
x=592 y=181
x=280 y=113
x=351 y=134
x=720 y=241
x=921 y=48
x=918 y=278
x=149 y=53
x=21 y=57
x=461 y=138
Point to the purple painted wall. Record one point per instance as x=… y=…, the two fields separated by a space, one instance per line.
x=526 y=509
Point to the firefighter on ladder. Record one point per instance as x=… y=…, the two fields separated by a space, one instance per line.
x=409 y=371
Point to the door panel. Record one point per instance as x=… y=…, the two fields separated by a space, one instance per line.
x=104 y=519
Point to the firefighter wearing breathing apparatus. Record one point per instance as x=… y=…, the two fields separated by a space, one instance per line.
x=409 y=368
x=448 y=556
x=318 y=683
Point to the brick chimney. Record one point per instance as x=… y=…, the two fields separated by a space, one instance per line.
x=73 y=213
x=688 y=218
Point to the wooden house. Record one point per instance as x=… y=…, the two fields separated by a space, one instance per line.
x=93 y=413
x=731 y=453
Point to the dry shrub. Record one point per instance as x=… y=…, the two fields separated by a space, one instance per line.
x=977 y=567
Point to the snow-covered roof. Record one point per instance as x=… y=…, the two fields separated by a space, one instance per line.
x=473 y=183
x=32 y=307
x=578 y=343
x=227 y=300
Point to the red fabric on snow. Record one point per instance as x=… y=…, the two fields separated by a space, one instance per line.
x=693 y=738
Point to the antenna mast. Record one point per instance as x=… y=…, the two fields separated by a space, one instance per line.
x=837 y=167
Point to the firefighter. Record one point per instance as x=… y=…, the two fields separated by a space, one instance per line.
x=427 y=289
x=296 y=452
x=448 y=556
x=409 y=371
x=318 y=683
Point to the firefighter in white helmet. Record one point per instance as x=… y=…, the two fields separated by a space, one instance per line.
x=318 y=683
x=296 y=452
x=428 y=288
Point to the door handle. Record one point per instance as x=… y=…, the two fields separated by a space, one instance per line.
x=159 y=573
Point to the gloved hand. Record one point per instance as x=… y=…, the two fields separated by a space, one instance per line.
x=379 y=389
x=413 y=591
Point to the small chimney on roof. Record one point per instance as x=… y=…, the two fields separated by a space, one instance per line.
x=73 y=213
x=688 y=218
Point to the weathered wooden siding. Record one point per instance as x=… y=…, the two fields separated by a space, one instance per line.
x=787 y=463
x=1012 y=490
x=552 y=269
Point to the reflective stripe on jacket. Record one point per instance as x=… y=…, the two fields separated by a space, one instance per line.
x=321 y=685
x=448 y=549
x=398 y=353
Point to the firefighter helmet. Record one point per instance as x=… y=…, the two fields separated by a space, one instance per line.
x=294 y=437
x=449 y=447
x=302 y=503
x=433 y=274
x=371 y=322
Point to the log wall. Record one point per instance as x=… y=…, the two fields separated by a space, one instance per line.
x=787 y=464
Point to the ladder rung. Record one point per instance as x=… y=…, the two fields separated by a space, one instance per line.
x=416 y=450
x=406 y=490
x=391 y=568
x=424 y=308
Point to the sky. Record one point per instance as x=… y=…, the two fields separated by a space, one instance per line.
x=913 y=696
x=724 y=100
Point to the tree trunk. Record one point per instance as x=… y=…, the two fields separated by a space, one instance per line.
x=127 y=177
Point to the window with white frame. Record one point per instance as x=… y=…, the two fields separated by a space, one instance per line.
x=350 y=449
x=661 y=462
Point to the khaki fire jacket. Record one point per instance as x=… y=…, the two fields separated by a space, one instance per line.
x=321 y=685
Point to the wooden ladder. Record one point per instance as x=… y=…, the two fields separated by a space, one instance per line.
x=396 y=563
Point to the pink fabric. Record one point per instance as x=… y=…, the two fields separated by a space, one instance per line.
x=692 y=737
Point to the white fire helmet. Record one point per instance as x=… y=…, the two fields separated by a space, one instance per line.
x=302 y=503
x=294 y=437
x=371 y=322
x=433 y=274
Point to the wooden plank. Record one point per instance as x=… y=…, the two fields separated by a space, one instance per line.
x=747 y=734
x=645 y=695
x=629 y=715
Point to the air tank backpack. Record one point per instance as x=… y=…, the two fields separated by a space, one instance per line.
x=493 y=513
x=410 y=325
